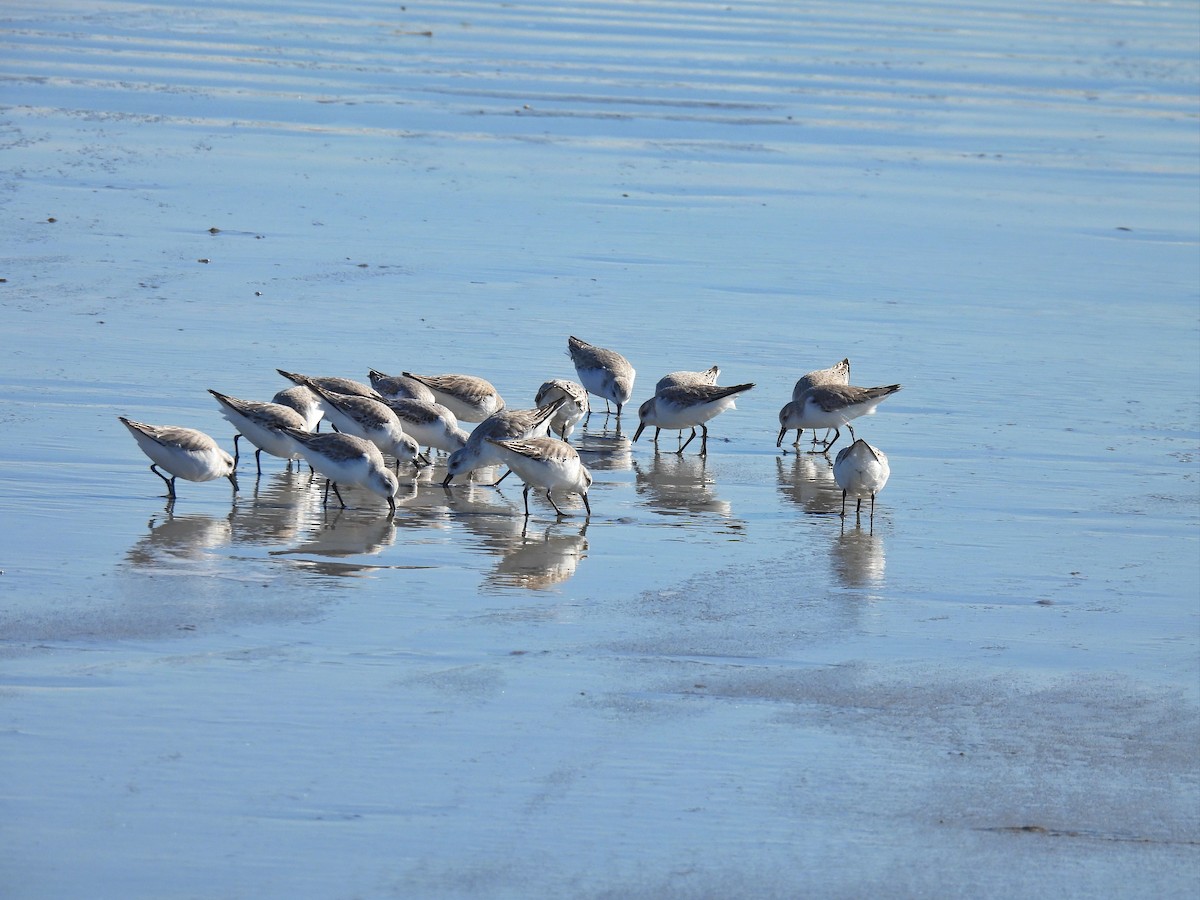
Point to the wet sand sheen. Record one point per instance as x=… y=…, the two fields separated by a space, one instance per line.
x=714 y=685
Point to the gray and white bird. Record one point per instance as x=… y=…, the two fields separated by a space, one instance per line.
x=605 y=373
x=574 y=409
x=469 y=397
x=861 y=470
x=184 y=452
x=548 y=463
x=262 y=425
x=831 y=406
x=688 y=406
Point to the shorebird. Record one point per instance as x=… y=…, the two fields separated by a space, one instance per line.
x=430 y=424
x=346 y=459
x=574 y=409
x=332 y=383
x=604 y=373
x=470 y=398
x=400 y=387
x=367 y=418
x=184 y=452
x=861 y=471
x=546 y=462
x=688 y=406
x=262 y=425
x=838 y=373
x=831 y=406
x=508 y=424
x=303 y=401
x=678 y=379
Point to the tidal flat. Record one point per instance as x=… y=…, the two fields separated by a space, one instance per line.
x=714 y=686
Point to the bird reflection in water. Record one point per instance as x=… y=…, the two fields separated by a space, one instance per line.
x=339 y=535
x=172 y=538
x=672 y=484
x=537 y=560
x=607 y=452
x=808 y=482
x=857 y=557
x=278 y=508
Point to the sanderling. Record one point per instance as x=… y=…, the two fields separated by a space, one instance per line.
x=687 y=406
x=678 y=379
x=861 y=471
x=508 y=424
x=369 y=419
x=604 y=373
x=346 y=459
x=262 y=425
x=831 y=406
x=303 y=401
x=546 y=462
x=838 y=373
x=184 y=452
x=429 y=424
x=333 y=383
x=569 y=413
x=470 y=398
x=400 y=387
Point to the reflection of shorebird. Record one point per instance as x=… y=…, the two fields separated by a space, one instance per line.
x=808 y=482
x=861 y=471
x=184 y=452
x=605 y=373
x=276 y=511
x=541 y=562
x=188 y=537
x=858 y=558
x=672 y=484
x=345 y=535
x=831 y=406
x=688 y=406
x=470 y=398
x=262 y=425
x=549 y=463
x=346 y=459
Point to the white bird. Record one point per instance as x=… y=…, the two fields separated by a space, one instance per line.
x=604 y=373
x=262 y=425
x=838 y=373
x=508 y=424
x=429 y=424
x=303 y=401
x=687 y=406
x=546 y=462
x=184 y=452
x=574 y=409
x=346 y=459
x=400 y=387
x=678 y=379
x=369 y=419
x=332 y=383
x=831 y=406
x=861 y=471
x=470 y=398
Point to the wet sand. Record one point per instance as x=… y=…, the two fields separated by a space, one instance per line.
x=714 y=686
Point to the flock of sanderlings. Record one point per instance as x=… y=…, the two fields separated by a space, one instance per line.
x=400 y=414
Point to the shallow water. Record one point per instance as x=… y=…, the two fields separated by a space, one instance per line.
x=714 y=686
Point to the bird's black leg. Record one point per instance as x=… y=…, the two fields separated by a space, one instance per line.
x=170 y=482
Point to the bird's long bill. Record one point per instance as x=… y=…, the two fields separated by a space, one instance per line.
x=779 y=440
x=637 y=434
x=233 y=480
